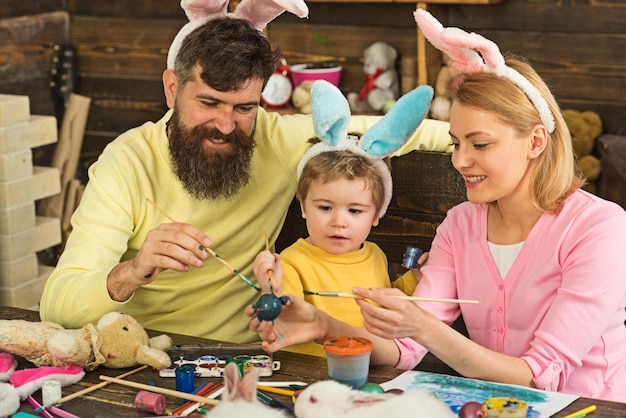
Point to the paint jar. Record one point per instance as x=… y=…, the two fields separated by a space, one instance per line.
x=51 y=391
x=411 y=255
x=348 y=360
x=185 y=379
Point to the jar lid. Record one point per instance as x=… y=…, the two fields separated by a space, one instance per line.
x=347 y=346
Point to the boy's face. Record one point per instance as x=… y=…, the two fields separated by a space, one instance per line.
x=339 y=214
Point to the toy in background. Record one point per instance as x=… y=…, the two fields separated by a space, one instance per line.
x=16 y=386
x=585 y=128
x=444 y=90
x=382 y=86
x=117 y=341
x=301 y=97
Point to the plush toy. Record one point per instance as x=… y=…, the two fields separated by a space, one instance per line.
x=23 y=383
x=259 y=12
x=381 y=81
x=117 y=341
x=585 y=128
x=301 y=96
x=444 y=90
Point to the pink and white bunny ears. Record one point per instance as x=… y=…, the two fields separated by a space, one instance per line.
x=463 y=48
x=259 y=12
x=331 y=121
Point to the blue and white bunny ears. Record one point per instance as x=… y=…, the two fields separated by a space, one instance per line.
x=331 y=120
x=463 y=48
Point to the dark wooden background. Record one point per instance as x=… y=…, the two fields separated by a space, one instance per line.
x=121 y=48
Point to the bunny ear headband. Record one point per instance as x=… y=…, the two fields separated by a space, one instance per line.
x=331 y=120
x=259 y=12
x=462 y=48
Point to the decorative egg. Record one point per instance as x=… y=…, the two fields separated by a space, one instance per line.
x=372 y=388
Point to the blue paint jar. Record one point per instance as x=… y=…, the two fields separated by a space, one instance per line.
x=411 y=255
x=185 y=379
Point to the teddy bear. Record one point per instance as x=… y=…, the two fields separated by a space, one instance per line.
x=585 y=127
x=117 y=341
x=301 y=96
x=444 y=90
x=381 y=82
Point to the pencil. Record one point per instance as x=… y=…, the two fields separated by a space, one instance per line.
x=403 y=297
x=279 y=391
x=582 y=413
x=273 y=402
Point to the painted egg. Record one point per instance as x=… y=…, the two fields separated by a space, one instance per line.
x=372 y=388
x=472 y=410
x=268 y=307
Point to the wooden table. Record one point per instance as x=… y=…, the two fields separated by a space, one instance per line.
x=116 y=400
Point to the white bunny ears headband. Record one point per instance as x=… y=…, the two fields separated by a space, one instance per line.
x=462 y=48
x=331 y=120
x=259 y=12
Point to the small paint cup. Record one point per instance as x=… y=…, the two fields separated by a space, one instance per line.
x=411 y=255
x=185 y=381
x=348 y=360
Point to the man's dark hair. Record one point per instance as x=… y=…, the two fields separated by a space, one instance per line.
x=230 y=52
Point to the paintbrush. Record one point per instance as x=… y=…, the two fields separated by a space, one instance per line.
x=210 y=251
x=403 y=297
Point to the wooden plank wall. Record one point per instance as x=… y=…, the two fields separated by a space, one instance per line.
x=576 y=44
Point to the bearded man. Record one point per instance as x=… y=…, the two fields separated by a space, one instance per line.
x=218 y=164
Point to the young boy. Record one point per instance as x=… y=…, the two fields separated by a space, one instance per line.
x=343 y=192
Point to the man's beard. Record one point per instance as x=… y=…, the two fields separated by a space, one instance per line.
x=209 y=173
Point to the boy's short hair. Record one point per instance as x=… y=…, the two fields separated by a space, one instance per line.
x=332 y=165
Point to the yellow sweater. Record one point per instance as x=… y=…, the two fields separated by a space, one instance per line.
x=307 y=267
x=114 y=217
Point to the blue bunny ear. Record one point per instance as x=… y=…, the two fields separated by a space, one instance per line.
x=396 y=127
x=330 y=111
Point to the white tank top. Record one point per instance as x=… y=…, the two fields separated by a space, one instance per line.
x=504 y=256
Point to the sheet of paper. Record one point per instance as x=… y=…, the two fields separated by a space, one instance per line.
x=456 y=391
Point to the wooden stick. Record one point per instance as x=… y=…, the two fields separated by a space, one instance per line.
x=94 y=387
x=163 y=391
x=414 y=298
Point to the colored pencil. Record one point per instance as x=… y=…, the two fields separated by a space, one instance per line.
x=414 y=298
x=276 y=390
x=273 y=402
x=582 y=413
x=38 y=408
x=163 y=391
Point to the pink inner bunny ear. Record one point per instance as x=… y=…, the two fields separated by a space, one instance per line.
x=198 y=9
x=262 y=12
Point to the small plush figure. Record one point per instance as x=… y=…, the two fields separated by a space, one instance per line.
x=301 y=96
x=585 y=128
x=259 y=12
x=444 y=90
x=117 y=341
x=381 y=81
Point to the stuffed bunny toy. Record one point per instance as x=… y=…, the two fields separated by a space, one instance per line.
x=331 y=399
x=259 y=12
x=117 y=341
x=239 y=398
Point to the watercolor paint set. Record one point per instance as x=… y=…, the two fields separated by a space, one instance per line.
x=210 y=361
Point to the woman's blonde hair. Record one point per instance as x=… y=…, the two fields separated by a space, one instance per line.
x=553 y=175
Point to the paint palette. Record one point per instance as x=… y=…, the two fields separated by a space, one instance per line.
x=213 y=364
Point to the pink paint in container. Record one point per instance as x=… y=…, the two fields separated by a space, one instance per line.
x=315 y=71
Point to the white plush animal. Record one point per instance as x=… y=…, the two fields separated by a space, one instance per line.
x=239 y=398
x=330 y=399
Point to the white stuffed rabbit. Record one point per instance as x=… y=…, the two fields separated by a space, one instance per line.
x=330 y=399
x=239 y=398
